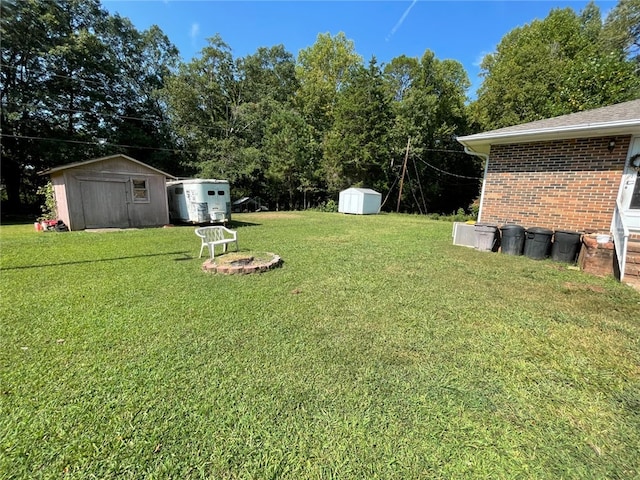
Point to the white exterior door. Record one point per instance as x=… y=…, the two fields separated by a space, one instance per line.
x=630 y=188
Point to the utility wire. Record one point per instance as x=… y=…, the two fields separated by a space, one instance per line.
x=448 y=173
x=46 y=72
x=424 y=203
x=99 y=144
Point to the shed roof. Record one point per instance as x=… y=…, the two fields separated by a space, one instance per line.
x=363 y=190
x=101 y=159
x=618 y=119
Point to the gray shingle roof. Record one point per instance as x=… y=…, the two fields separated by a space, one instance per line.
x=621 y=118
x=613 y=113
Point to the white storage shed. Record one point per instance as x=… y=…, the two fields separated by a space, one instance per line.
x=360 y=201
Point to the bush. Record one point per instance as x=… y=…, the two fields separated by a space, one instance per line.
x=330 y=206
x=49 y=208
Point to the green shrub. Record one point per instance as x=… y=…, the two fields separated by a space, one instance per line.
x=330 y=206
x=49 y=208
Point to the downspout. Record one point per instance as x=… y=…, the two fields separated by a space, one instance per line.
x=485 y=157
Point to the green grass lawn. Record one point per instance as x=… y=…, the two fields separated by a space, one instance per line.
x=377 y=350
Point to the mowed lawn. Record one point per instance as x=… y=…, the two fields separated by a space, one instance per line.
x=377 y=350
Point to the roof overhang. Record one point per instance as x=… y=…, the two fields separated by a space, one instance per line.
x=480 y=143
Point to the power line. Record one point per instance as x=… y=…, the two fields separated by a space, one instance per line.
x=448 y=173
x=104 y=82
x=98 y=143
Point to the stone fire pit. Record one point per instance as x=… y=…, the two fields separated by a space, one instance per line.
x=242 y=263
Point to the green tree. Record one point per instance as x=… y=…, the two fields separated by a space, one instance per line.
x=72 y=81
x=268 y=73
x=322 y=70
x=551 y=67
x=291 y=152
x=621 y=30
x=432 y=113
x=356 y=150
x=220 y=108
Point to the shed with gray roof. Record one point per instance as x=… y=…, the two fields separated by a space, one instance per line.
x=110 y=192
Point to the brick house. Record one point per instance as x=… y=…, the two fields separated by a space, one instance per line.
x=573 y=172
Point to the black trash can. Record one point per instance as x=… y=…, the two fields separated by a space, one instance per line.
x=565 y=246
x=512 y=239
x=487 y=238
x=537 y=242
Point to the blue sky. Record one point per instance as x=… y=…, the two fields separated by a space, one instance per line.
x=461 y=30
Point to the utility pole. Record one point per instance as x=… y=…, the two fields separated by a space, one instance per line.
x=404 y=169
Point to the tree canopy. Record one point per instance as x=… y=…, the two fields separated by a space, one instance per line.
x=77 y=82
x=564 y=63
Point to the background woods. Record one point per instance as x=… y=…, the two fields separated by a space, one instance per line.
x=77 y=82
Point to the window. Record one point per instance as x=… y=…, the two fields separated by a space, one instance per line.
x=140 y=191
x=221 y=192
x=211 y=192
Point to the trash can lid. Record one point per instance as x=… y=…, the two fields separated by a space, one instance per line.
x=571 y=232
x=486 y=226
x=543 y=231
x=511 y=227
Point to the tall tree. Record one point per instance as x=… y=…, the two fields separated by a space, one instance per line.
x=322 y=70
x=356 y=148
x=550 y=67
x=622 y=30
x=204 y=100
x=71 y=79
x=268 y=73
x=291 y=151
x=432 y=113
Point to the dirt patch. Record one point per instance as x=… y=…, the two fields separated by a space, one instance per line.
x=584 y=288
x=268 y=215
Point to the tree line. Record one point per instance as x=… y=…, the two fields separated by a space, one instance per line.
x=78 y=83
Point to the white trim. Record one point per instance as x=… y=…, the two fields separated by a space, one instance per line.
x=485 y=157
x=101 y=159
x=134 y=199
x=482 y=142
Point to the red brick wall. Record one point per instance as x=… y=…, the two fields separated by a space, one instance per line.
x=560 y=184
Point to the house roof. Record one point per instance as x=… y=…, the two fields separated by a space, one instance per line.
x=618 y=119
x=101 y=159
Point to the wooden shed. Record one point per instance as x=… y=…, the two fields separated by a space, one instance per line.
x=110 y=192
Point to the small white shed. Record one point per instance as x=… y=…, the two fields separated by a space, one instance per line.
x=360 y=201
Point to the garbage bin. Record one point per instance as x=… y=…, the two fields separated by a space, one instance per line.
x=512 y=241
x=537 y=242
x=486 y=237
x=565 y=246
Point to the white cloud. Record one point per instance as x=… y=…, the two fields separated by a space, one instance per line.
x=478 y=61
x=195 y=31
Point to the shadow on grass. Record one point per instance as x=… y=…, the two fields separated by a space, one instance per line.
x=231 y=224
x=235 y=223
x=185 y=256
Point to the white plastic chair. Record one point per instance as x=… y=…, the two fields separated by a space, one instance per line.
x=216 y=235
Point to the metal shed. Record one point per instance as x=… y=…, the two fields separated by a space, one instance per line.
x=110 y=192
x=359 y=201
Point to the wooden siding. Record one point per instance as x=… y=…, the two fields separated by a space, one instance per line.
x=100 y=194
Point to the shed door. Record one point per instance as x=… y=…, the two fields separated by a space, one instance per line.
x=104 y=204
x=630 y=189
